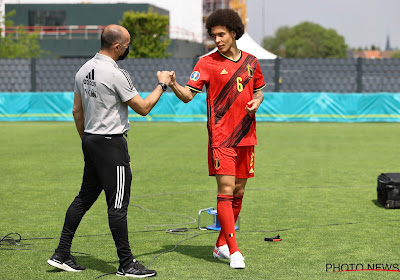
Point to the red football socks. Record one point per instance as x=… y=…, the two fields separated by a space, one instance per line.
x=228 y=209
x=237 y=205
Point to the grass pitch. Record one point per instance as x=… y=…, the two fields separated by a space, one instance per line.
x=315 y=186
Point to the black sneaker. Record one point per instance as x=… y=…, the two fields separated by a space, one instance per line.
x=136 y=270
x=65 y=264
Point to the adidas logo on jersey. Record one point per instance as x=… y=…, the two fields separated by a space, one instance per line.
x=224 y=72
x=90 y=75
x=89 y=79
x=89 y=84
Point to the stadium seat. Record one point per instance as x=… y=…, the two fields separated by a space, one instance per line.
x=298 y=75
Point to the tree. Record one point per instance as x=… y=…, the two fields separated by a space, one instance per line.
x=149 y=34
x=276 y=44
x=20 y=43
x=310 y=40
x=395 y=54
x=307 y=40
x=374 y=48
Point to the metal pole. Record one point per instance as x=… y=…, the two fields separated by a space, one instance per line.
x=33 y=74
x=263 y=20
x=277 y=79
x=359 y=75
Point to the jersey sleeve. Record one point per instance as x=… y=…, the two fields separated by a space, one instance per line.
x=124 y=86
x=259 y=83
x=76 y=85
x=199 y=77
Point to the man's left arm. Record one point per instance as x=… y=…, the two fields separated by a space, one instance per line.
x=254 y=104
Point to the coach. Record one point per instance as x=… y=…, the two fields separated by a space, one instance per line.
x=103 y=92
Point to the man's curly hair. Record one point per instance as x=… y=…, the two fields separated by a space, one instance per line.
x=228 y=18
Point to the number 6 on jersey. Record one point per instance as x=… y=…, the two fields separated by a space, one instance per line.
x=239 y=84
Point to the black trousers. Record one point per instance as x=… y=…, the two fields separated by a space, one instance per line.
x=107 y=167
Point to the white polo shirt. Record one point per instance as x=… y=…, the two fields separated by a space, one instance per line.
x=104 y=88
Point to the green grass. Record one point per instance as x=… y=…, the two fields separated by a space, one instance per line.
x=315 y=185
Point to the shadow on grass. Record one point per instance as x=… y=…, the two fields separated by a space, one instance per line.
x=93 y=263
x=198 y=252
x=376 y=202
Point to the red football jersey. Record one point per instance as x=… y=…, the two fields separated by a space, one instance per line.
x=230 y=85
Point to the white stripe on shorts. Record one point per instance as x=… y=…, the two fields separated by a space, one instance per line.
x=120 y=186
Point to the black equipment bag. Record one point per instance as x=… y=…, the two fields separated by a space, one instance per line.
x=389 y=190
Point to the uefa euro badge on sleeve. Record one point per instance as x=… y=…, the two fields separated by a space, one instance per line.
x=195 y=76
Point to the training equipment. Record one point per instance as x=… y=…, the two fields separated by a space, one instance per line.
x=221 y=252
x=68 y=265
x=237 y=260
x=273 y=239
x=135 y=270
x=216 y=226
x=389 y=190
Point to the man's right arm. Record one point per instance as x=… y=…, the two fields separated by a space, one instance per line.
x=79 y=114
x=144 y=106
x=183 y=93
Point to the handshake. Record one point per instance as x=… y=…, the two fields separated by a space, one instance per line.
x=167 y=77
